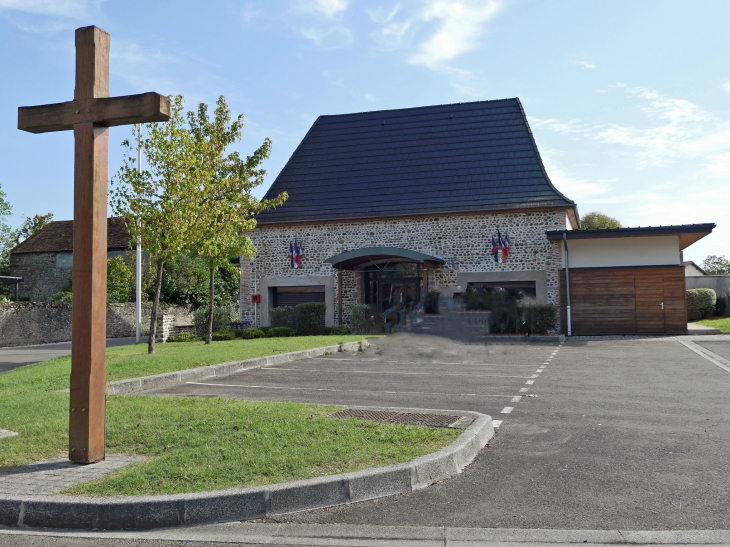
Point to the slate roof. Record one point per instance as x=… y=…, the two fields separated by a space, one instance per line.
x=456 y=158
x=58 y=237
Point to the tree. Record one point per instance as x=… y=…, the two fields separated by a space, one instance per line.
x=596 y=220
x=224 y=208
x=31 y=226
x=155 y=204
x=5 y=234
x=716 y=265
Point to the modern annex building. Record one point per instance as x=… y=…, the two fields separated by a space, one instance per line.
x=384 y=206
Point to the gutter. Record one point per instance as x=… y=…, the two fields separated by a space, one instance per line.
x=567 y=280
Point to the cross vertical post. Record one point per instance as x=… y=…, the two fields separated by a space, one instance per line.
x=90 y=115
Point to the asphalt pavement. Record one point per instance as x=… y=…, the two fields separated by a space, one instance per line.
x=18 y=356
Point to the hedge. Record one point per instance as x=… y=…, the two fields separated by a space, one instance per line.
x=700 y=303
x=431 y=304
x=249 y=334
x=721 y=306
x=339 y=330
x=364 y=319
x=281 y=316
x=280 y=332
x=221 y=335
x=310 y=317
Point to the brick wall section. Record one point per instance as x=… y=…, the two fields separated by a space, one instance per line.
x=27 y=323
x=42 y=278
x=463 y=241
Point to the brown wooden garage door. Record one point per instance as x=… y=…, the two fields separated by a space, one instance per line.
x=606 y=301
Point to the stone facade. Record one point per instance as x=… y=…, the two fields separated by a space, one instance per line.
x=462 y=241
x=42 y=277
x=28 y=323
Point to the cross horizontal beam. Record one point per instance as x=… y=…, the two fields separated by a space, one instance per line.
x=108 y=111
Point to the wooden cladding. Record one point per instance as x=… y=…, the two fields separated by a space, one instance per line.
x=606 y=301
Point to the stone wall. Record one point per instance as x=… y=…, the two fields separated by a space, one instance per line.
x=463 y=241
x=28 y=323
x=42 y=278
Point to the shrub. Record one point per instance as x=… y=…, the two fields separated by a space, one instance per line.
x=700 y=303
x=222 y=317
x=265 y=330
x=721 y=305
x=281 y=332
x=539 y=318
x=250 y=334
x=238 y=333
x=339 y=330
x=221 y=335
x=431 y=304
x=120 y=282
x=310 y=317
x=364 y=319
x=281 y=316
x=183 y=337
x=62 y=296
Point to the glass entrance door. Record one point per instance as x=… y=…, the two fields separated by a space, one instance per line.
x=391 y=287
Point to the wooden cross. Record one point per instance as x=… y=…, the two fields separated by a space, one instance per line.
x=90 y=115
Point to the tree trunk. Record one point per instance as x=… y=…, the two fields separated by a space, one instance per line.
x=209 y=336
x=155 y=306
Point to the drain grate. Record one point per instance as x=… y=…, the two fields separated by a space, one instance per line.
x=408 y=418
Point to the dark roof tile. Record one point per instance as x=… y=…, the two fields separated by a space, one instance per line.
x=58 y=237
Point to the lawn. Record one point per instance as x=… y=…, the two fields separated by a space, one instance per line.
x=722 y=323
x=196 y=444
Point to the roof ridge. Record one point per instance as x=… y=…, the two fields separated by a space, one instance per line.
x=417 y=107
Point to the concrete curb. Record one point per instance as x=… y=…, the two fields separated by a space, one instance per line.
x=135 y=385
x=146 y=512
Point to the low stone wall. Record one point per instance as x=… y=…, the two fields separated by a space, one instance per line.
x=27 y=323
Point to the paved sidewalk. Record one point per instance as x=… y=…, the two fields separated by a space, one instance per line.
x=18 y=356
x=53 y=476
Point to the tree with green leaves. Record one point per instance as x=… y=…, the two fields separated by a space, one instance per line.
x=716 y=265
x=155 y=204
x=5 y=234
x=31 y=226
x=596 y=220
x=224 y=209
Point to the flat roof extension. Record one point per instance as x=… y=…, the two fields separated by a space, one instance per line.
x=687 y=233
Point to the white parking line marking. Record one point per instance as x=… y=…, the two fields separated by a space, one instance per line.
x=516 y=399
x=507 y=409
x=543 y=367
x=335 y=358
x=535 y=375
x=530 y=382
x=707 y=354
x=523 y=389
x=346 y=390
x=496 y=423
x=398 y=372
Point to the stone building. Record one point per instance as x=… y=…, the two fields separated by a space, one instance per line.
x=45 y=260
x=388 y=205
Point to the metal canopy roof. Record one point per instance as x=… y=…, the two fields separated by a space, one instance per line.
x=687 y=233
x=351 y=259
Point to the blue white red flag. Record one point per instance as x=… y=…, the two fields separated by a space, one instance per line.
x=291 y=254
x=297 y=255
x=495 y=250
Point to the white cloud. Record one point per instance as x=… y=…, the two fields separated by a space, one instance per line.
x=726 y=86
x=143 y=68
x=328 y=38
x=574 y=188
x=464 y=89
x=74 y=9
x=370 y=98
x=328 y=8
x=586 y=64
x=382 y=15
x=462 y=25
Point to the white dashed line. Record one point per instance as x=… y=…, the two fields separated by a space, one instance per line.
x=523 y=390
x=507 y=409
x=535 y=375
x=516 y=399
x=530 y=382
x=496 y=423
x=396 y=372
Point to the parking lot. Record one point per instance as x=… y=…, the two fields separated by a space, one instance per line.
x=401 y=371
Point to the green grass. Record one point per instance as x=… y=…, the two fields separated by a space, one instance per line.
x=722 y=323
x=196 y=444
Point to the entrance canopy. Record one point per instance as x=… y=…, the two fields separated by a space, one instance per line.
x=349 y=260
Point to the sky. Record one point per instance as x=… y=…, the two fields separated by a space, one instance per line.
x=629 y=101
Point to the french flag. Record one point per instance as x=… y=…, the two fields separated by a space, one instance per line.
x=504 y=242
x=495 y=250
x=291 y=254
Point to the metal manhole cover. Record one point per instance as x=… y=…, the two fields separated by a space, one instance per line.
x=408 y=418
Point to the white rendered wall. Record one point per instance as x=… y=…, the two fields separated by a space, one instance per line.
x=623 y=251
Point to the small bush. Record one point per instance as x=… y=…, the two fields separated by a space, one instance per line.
x=238 y=333
x=183 y=337
x=222 y=317
x=250 y=334
x=266 y=330
x=431 y=305
x=221 y=335
x=280 y=332
x=364 y=319
x=339 y=330
x=720 y=306
x=281 y=316
x=310 y=318
x=62 y=296
x=700 y=303
x=539 y=318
